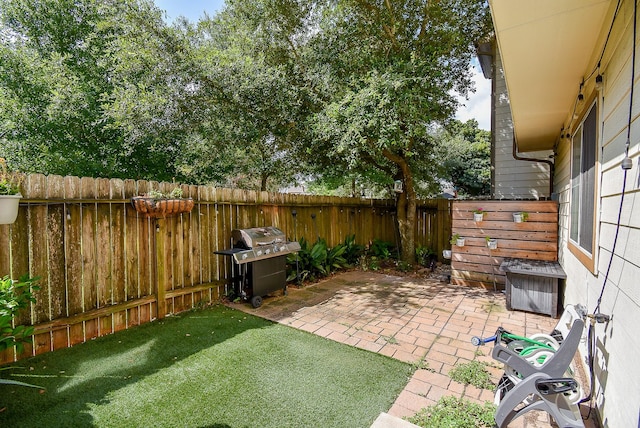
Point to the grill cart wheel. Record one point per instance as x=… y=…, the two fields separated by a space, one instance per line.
x=256 y=301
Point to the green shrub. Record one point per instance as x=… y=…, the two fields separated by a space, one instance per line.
x=382 y=249
x=453 y=412
x=316 y=261
x=404 y=266
x=353 y=251
x=14 y=297
x=425 y=256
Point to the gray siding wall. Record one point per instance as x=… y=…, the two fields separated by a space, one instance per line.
x=513 y=179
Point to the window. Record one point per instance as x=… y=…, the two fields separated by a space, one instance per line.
x=583 y=181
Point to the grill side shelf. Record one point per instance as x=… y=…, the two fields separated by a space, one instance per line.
x=241 y=256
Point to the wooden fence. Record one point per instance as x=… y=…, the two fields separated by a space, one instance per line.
x=475 y=263
x=104 y=267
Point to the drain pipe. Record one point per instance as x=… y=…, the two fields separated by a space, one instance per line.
x=547 y=161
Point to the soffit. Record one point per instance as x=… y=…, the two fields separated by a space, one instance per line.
x=546 y=48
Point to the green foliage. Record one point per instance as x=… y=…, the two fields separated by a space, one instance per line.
x=382 y=249
x=425 y=255
x=464 y=157
x=403 y=266
x=312 y=262
x=14 y=297
x=472 y=373
x=176 y=193
x=453 y=412
x=9 y=180
x=454 y=238
x=353 y=251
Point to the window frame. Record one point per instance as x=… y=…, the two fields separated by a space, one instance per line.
x=587 y=256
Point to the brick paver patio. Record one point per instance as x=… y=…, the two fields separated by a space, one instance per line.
x=422 y=321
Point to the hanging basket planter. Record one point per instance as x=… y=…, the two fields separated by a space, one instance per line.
x=459 y=242
x=160 y=208
x=446 y=254
x=9 y=208
x=478 y=217
x=517 y=217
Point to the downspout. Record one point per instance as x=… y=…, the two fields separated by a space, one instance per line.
x=547 y=161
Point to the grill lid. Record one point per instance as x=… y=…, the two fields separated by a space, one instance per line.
x=256 y=237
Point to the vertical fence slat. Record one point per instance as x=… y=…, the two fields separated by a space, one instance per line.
x=55 y=259
x=132 y=252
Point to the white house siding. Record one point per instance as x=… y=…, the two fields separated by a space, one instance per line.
x=618 y=355
x=514 y=179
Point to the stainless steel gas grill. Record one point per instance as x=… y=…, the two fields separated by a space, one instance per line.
x=258 y=262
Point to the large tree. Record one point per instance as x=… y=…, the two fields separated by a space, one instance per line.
x=463 y=156
x=92 y=87
x=394 y=69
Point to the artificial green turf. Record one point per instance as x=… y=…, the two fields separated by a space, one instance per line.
x=210 y=368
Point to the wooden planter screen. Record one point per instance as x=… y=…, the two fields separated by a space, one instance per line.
x=535 y=239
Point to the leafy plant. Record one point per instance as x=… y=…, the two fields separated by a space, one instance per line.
x=381 y=249
x=453 y=412
x=454 y=238
x=524 y=215
x=353 y=251
x=478 y=211
x=14 y=297
x=316 y=261
x=176 y=193
x=472 y=373
x=10 y=181
x=426 y=256
x=403 y=266
x=335 y=259
x=374 y=263
x=300 y=264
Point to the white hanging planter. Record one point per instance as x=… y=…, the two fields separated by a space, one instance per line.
x=478 y=217
x=9 y=208
x=446 y=254
x=460 y=242
x=492 y=244
x=517 y=217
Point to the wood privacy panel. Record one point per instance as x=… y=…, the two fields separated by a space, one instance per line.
x=536 y=239
x=104 y=267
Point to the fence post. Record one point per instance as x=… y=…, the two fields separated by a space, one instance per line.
x=159 y=273
x=443 y=225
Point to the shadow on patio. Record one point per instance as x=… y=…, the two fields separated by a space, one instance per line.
x=422 y=321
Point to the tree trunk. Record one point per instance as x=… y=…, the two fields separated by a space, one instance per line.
x=406 y=209
x=263 y=182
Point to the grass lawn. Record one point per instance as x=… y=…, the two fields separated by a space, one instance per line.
x=209 y=368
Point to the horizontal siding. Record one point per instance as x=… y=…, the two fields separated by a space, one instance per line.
x=514 y=179
x=618 y=405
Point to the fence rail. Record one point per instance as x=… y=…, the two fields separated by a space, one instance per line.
x=104 y=267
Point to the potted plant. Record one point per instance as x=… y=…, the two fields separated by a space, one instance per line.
x=157 y=204
x=491 y=243
x=446 y=254
x=10 y=196
x=457 y=240
x=521 y=216
x=478 y=214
